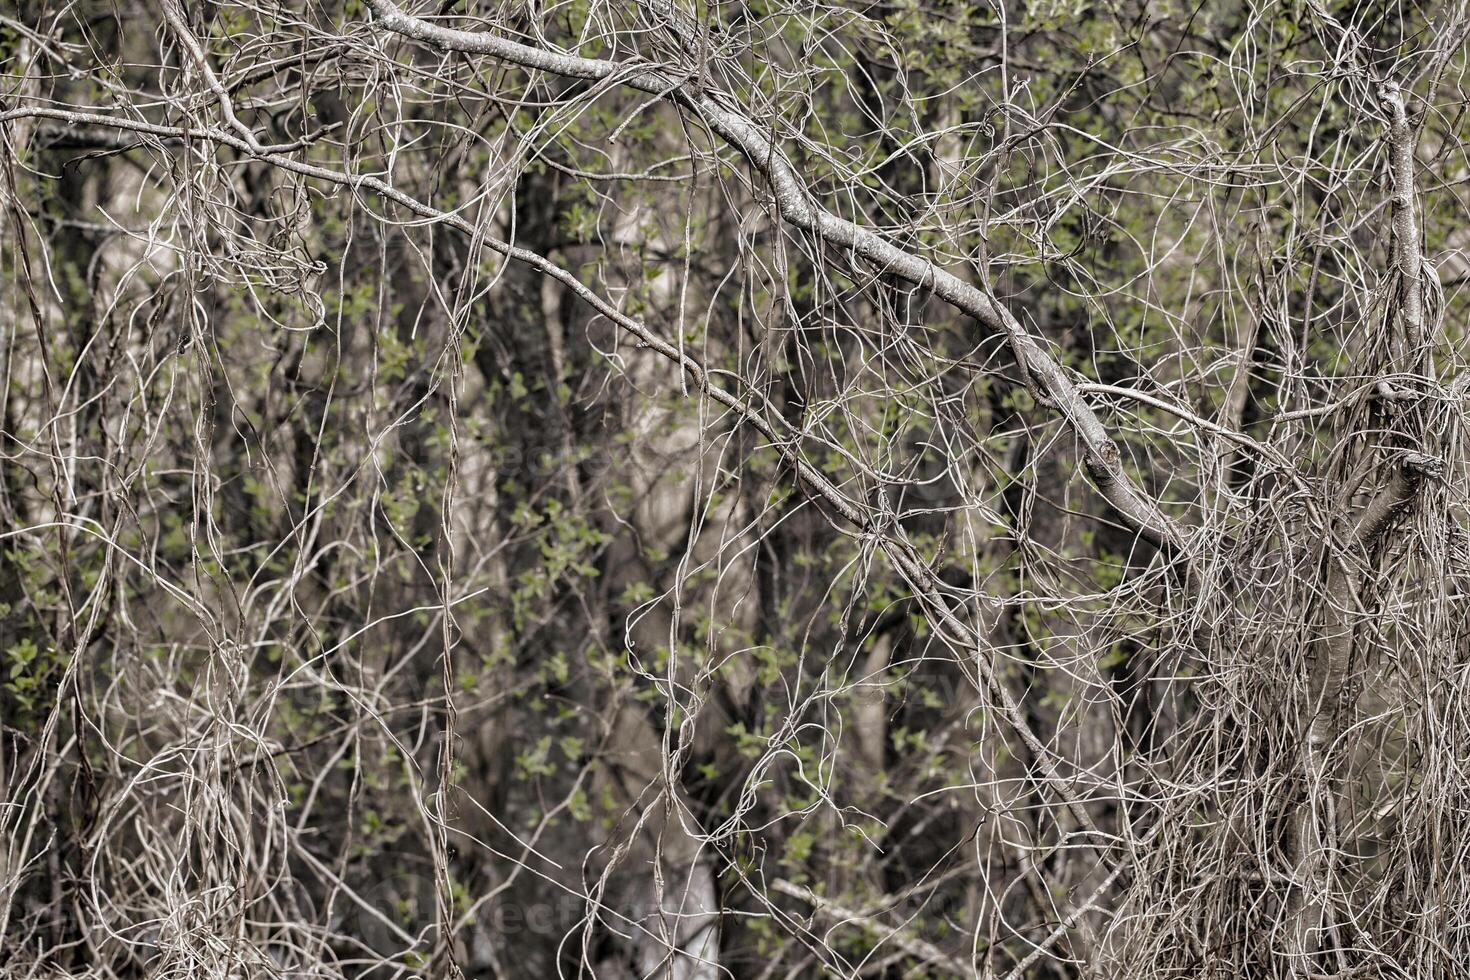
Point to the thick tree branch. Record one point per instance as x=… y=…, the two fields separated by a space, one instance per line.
x=1329 y=673
x=798 y=208
x=1334 y=654
x=1329 y=693
x=1407 y=257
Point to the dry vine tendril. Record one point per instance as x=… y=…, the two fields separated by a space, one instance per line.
x=702 y=490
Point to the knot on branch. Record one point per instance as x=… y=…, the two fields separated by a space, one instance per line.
x=1103 y=459
x=1417 y=466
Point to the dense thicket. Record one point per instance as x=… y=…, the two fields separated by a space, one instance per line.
x=693 y=489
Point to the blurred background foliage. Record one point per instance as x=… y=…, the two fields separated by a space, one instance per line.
x=373 y=606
